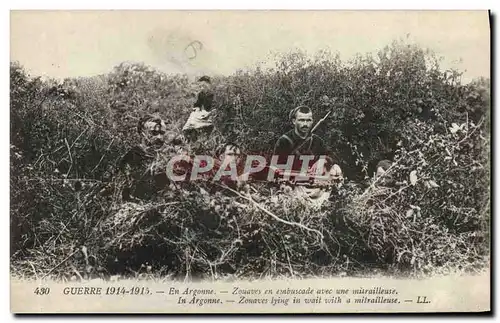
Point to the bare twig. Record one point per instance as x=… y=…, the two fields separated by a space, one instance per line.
x=102 y=157
x=272 y=214
x=376 y=180
x=59 y=264
x=74 y=142
x=34 y=271
x=77 y=272
x=70 y=157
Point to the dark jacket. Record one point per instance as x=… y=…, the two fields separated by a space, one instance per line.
x=141 y=183
x=205 y=99
x=291 y=144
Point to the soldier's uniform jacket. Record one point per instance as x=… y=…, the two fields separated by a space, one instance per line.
x=205 y=99
x=292 y=144
x=143 y=180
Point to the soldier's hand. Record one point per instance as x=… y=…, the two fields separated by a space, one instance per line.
x=314 y=170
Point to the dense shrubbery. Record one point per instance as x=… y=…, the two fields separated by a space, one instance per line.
x=67 y=139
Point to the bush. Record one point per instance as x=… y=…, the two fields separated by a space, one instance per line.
x=437 y=218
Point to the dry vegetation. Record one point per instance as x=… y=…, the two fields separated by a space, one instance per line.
x=68 y=220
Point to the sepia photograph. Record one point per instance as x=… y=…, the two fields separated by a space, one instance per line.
x=250 y=161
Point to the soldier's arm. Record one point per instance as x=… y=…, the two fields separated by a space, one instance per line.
x=332 y=161
x=200 y=100
x=132 y=158
x=282 y=147
x=205 y=100
x=129 y=161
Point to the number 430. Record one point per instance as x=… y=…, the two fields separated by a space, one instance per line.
x=42 y=290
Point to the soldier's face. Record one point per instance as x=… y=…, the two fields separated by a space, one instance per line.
x=231 y=153
x=154 y=133
x=205 y=86
x=303 y=122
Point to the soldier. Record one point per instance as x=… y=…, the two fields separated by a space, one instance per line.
x=200 y=121
x=300 y=142
x=230 y=154
x=142 y=180
x=384 y=178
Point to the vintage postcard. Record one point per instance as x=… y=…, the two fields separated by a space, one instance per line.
x=218 y=161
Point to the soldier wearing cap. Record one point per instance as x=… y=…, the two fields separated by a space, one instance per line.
x=384 y=178
x=141 y=180
x=200 y=121
x=298 y=142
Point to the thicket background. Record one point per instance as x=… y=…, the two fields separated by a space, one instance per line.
x=67 y=139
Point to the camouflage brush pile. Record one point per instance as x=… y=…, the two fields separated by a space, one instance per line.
x=212 y=235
